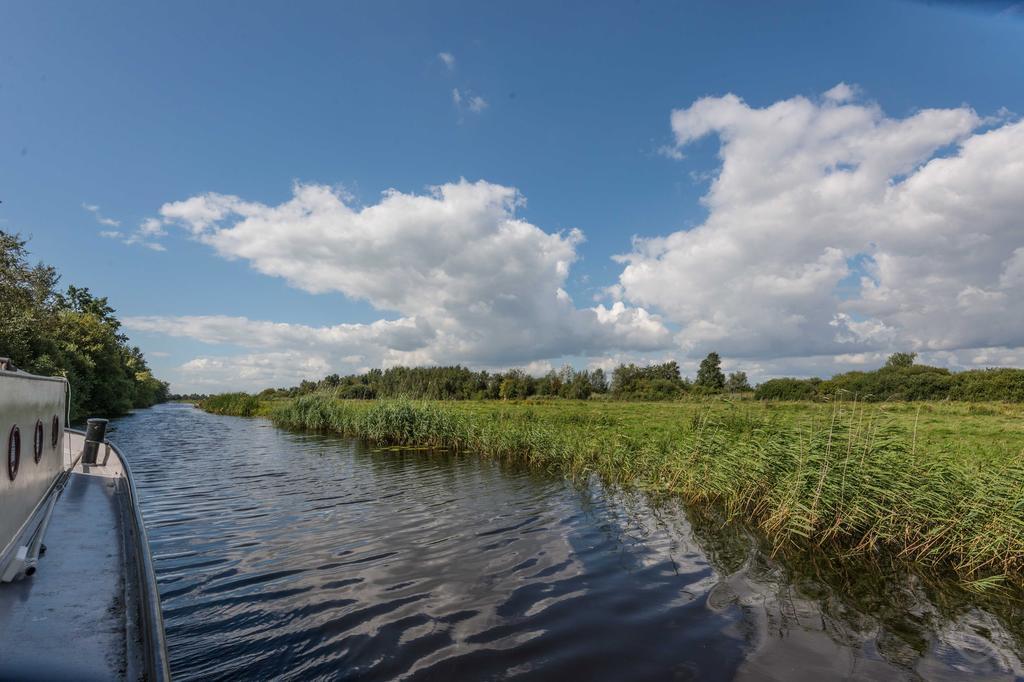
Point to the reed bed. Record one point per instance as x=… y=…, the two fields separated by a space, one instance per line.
x=236 y=404
x=846 y=477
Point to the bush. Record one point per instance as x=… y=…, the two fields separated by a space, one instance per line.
x=988 y=384
x=893 y=382
x=788 y=389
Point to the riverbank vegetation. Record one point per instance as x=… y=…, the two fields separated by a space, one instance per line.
x=71 y=333
x=939 y=484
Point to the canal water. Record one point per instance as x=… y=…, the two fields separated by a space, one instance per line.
x=301 y=556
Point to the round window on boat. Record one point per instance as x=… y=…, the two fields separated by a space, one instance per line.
x=13 y=452
x=37 y=441
x=54 y=432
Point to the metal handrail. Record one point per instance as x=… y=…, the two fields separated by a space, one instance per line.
x=157 y=665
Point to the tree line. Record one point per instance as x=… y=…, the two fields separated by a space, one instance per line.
x=901 y=379
x=70 y=333
x=627 y=382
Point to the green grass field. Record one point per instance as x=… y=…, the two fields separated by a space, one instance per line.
x=939 y=484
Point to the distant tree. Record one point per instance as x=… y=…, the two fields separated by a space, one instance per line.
x=654 y=382
x=356 y=392
x=550 y=384
x=578 y=387
x=516 y=384
x=709 y=375
x=899 y=360
x=737 y=382
x=598 y=381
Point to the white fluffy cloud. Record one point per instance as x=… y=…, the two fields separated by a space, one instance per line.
x=404 y=335
x=835 y=229
x=472 y=282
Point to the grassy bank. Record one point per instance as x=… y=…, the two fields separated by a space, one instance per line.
x=937 y=483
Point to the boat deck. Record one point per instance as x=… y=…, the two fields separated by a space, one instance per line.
x=68 y=620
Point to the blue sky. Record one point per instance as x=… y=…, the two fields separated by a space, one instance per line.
x=130 y=107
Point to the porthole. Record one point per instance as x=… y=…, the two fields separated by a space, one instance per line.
x=54 y=432
x=37 y=441
x=13 y=452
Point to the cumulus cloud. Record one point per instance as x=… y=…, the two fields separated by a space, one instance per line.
x=448 y=59
x=840 y=93
x=376 y=339
x=834 y=229
x=471 y=281
x=251 y=371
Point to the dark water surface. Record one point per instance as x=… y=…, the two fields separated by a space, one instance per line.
x=301 y=556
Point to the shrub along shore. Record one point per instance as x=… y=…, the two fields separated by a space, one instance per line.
x=940 y=484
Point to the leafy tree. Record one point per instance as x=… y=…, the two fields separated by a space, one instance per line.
x=549 y=385
x=709 y=375
x=598 y=381
x=74 y=334
x=28 y=306
x=356 y=392
x=737 y=382
x=654 y=382
x=578 y=387
x=901 y=360
x=517 y=384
